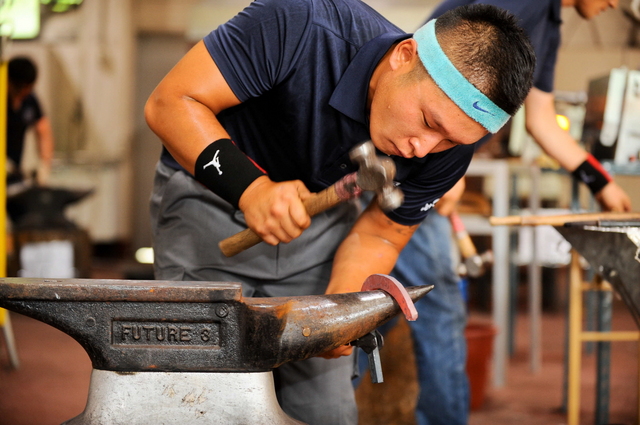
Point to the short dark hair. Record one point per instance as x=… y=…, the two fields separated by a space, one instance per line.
x=22 y=71
x=486 y=44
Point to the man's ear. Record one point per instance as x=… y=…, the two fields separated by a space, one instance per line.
x=404 y=53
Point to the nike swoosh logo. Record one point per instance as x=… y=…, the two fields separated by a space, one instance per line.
x=475 y=106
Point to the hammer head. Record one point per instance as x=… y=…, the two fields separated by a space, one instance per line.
x=376 y=173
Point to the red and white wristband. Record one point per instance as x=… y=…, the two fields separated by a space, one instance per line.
x=593 y=174
x=225 y=170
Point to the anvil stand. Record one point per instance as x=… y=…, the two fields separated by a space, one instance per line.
x=37 y=216
x=195 y=352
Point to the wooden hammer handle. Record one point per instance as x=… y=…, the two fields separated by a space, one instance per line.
x=317 y=203
x=463 y=239
x=559 y=220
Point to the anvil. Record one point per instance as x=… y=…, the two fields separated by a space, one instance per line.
x=194 y=352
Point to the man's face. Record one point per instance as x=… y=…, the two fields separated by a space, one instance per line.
x=413 y=117
x=591 y=8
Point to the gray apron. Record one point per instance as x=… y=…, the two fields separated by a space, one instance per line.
x=188 y=221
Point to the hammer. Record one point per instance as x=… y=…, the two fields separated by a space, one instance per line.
x=474 y=264
x=375 y=173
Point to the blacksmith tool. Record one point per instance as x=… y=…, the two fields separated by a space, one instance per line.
x=193 y=352
x=561 y=219
x=375 y=173
x=473 y=264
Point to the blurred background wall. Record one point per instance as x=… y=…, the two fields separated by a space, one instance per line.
x=99 y=62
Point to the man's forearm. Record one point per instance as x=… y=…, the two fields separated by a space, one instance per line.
x=45 y=140
x=560 y=145
x=372 y=246
x=353 y=262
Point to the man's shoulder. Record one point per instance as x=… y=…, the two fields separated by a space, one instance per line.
x=529 y=12
x=327 y=13
x=31 y=102
x=322 y=7
x=30 y=111
x=31 y=98
x=292 y=6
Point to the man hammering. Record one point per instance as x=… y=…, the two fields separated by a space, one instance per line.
x=265 y=111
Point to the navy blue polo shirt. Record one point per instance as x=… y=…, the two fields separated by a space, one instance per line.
x=301 y=69
x=540 y=19
x=18 y=121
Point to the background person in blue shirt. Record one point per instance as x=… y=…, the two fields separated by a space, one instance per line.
x=438 y=334
x=265 y=110
x=23 y=113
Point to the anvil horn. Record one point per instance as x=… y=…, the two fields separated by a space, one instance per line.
x=296 y=328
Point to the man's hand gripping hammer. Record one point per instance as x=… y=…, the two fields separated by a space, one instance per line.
x=375 y=173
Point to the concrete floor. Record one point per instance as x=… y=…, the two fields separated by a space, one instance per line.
x=527 y=398
x=52 y=382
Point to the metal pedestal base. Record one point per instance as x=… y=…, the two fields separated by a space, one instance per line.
x=181 y=398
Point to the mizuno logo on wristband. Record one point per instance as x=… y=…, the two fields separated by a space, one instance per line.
x=215 y=162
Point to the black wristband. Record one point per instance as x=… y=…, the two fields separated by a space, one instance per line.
x=591 y=173
x=225 y=170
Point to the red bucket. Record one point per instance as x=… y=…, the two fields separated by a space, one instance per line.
x=479 y=336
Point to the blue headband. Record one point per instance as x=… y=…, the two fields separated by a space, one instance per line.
x=464 y=94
